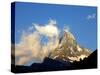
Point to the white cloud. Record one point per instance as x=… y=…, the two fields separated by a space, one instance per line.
x=66 y=28
x=30 y=48
x=52 y=22
x=49 y=29
x=30 y=28
x=91 y=16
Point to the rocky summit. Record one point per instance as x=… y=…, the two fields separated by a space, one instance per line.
x=69 y=50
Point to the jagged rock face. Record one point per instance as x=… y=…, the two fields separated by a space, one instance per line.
x=69 y=50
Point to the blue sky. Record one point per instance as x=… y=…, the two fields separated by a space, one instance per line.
x=80 y=19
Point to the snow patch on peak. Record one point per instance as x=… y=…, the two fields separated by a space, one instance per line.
x=77 y=58
x=78 y=48
x=82 y=56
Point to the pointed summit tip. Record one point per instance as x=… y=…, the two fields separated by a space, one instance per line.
x=66 y=28
x=68 y=33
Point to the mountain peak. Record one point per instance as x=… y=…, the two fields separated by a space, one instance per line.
x=69 y=49
x=68 y=34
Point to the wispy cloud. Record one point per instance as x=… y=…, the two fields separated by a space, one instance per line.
x=91 y=16
x=30 y=28
x=30 y=48
x=49 y=29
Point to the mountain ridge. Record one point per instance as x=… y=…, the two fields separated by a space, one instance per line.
x=69 y=49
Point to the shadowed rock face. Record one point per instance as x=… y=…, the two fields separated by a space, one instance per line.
x=68 y=49
x=90 y=62
x=56 y=65
x=47 y=65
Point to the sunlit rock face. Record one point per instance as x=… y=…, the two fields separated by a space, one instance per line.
x=69 y=50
